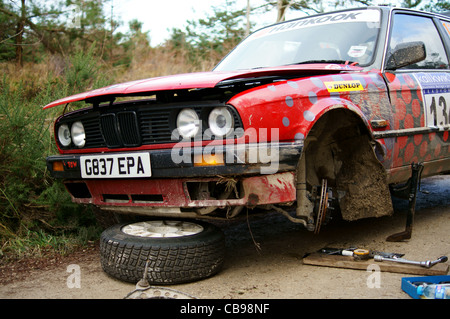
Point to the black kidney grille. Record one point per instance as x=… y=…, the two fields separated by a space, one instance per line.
x=120 y=129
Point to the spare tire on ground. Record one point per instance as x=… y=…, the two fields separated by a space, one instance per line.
x=176 y=251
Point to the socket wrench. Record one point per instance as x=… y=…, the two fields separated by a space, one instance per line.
x=426 y=264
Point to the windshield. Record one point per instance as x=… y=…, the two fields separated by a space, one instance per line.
x=343 y=36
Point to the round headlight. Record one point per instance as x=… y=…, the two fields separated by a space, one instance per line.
x=78 y=135
x=188 y=123
x=220 y=121
x=64 y=135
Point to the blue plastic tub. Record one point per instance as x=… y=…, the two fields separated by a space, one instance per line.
x=409 y=284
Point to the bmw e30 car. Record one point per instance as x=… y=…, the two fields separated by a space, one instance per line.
x=326 y=111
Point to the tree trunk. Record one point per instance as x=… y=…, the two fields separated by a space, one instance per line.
x=19 y=37
x=282 y=7
x=247 y=16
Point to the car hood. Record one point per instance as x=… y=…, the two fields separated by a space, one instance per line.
x=199 y=80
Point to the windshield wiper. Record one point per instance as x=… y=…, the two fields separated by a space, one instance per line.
x=346 y=62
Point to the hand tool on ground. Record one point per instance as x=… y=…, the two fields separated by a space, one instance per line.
x=426 y=264
x=361 y=254
x=352 y=251
x=337 y=251
x=385 y=254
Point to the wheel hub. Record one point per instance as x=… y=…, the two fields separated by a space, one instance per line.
x=162 y=229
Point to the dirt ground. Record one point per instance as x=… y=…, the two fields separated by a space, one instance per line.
x=266 y=263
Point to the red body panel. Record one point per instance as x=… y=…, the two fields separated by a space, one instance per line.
x=259 y=190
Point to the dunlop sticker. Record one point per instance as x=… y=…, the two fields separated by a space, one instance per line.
x=344 y=86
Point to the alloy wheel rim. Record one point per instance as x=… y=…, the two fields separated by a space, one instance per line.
x=162 y=229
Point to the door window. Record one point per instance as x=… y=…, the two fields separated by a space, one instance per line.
x=410 y=28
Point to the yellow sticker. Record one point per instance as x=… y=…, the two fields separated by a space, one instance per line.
x=344 y=86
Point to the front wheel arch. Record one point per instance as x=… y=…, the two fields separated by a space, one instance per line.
x=341 y=149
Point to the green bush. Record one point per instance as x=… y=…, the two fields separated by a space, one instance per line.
x=30 y=200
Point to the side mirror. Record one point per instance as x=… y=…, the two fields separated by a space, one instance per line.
x=406 y=54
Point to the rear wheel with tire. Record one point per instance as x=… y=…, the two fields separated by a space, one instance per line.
x=176 y=251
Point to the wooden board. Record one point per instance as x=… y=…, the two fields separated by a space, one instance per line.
x=338 y=261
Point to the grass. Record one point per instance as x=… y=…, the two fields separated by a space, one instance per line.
x=38 y=243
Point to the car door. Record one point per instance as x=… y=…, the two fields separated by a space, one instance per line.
x=420 y=98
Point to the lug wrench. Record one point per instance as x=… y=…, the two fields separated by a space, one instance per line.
x=426 y=264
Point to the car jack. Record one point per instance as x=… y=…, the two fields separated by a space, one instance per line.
x=409 y=192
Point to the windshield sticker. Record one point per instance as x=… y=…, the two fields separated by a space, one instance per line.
x=344 y=86
x=357 y=51
x=447 y=27
x=371 y=17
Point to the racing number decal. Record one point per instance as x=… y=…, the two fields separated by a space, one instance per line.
x=438 y=111
x=436 y=96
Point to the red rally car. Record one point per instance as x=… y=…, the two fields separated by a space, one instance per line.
x=328 y=111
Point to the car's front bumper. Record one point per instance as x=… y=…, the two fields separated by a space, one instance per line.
x=259 y=174
x=237 y=160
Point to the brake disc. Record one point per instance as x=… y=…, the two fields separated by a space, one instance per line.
x=322 y=206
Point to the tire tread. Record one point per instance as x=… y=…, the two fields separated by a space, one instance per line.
x=178 y=261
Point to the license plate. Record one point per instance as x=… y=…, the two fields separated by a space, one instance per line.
x=116 y=166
